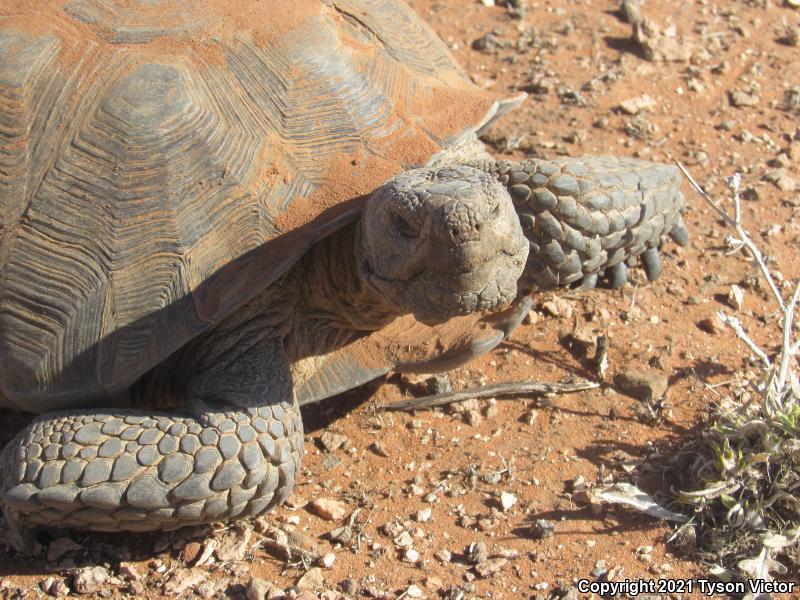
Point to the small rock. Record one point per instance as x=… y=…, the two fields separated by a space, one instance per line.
x=259 y=589
x=782 y=180
x=46 y=584
x=234 y=544
x=600 y=569
x=136 y=589
x=491 y=408
x=644 y=385
x=51 y=587
x=439 y=384
x=328 y=509
x=88 y=580
x=207 y=590
x=584 y=340
x=508 y=553
x=477 y=553
x=330 y=461
x=542 y=528
x=634 y=106
x=184 y=579
x=129 y=571
x=558 y=307
x=404 y=540
x=711 y=325
x=349 y=587
x=424 y=514
x=530 y=416
x=490 y=43
x=413 y=591
x=739 y=98
x=60 y=547
x=379 y=449
x=736 y=297
x=332 y=441
x=341 y=535
x=190 y=552
x=473 y=418
x=311 y=580
x=464 y=406
x=492 y=478
x=411 y=556
x=433 y=583
x=444 y=556
x=507 y=500
x=490 y=567
x=326 y=560
x=392 y=529
x=568 y=594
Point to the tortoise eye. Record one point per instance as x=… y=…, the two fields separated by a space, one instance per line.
x=404 y=227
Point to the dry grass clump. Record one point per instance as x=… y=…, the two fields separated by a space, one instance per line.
x=744 y=478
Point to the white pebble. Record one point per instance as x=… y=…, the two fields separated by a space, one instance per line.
x=327 y=560
x=413 y=591
x=507 y=500
x=411 y=556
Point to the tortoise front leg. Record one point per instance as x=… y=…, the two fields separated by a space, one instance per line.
x=584 y=216
x=234 y=452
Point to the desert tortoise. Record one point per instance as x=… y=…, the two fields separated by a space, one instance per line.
x=199 y=201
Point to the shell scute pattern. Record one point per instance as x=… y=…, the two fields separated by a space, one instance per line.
x=143 y=159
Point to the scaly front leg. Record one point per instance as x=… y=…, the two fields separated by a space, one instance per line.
x=233 y=452
x=584 y=216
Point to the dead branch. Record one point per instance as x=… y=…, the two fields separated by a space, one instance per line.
x=511 y=388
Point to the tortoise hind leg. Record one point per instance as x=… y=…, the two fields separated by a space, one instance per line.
x=234 y=452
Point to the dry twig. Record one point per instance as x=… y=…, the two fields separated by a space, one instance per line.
x=512 y=388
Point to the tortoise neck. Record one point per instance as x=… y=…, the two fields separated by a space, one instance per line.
x=334 y=286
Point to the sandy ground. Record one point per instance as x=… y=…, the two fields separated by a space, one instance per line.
x=416 y=500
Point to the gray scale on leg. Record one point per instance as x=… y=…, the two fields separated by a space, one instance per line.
x=625 y=207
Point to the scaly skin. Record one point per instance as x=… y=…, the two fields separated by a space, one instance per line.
x=584 y=216
x=121 y=470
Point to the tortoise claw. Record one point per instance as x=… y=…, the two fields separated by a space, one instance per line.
x=618 y=275
x=679 y=233
x=652 y=263
x=589 y=281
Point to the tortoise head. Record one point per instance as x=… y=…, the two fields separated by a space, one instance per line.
x=443 y=242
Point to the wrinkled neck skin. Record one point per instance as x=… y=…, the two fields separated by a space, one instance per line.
x=336 y=304
x=333 y=285
x=319 y=306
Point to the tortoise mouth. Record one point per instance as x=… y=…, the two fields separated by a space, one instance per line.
x=434 y=297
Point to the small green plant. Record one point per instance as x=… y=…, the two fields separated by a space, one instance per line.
x=744 y=480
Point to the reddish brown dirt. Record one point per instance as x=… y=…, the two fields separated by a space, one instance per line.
x=580 y=64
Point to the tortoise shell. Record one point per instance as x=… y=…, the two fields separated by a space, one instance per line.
x=163 y=161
